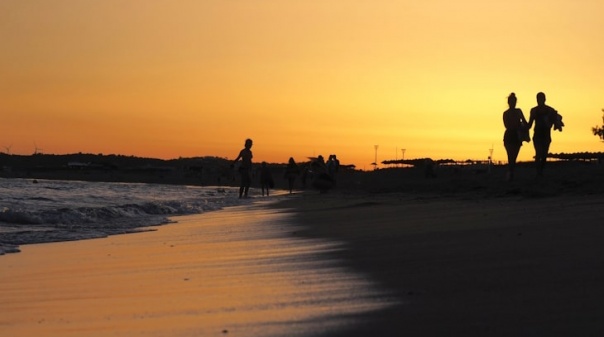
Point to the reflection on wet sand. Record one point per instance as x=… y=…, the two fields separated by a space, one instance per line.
x=240 y=271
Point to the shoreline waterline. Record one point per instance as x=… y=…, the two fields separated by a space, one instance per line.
x=68 y=210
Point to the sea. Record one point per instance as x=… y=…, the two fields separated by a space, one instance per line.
x=38 y=211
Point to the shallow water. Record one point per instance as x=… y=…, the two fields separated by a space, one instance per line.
x=241 y=272
x=35 y=211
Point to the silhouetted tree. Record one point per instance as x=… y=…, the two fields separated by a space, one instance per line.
x=599 y=130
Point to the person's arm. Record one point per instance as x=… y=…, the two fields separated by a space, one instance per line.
x=505 y=119
x=553 y=116
x=522 y=116
x=531 y=119
x=236 y=159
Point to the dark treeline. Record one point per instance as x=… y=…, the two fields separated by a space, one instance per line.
x=205 y=171
x=82 y=160
x=577 y=156
x=118 y=168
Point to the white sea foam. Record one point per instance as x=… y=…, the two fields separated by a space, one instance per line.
x=54 y=210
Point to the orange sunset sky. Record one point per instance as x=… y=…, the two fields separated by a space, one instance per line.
x=187 y=78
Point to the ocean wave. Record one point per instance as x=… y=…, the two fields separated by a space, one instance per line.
x=107 y=214
x=73 y=210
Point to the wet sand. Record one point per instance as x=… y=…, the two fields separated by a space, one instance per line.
x=237 y=272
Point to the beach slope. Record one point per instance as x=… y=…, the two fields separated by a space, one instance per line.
x=468 y=265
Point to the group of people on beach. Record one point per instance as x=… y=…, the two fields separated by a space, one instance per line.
x=544 y=117
x=517 y=131
x=266 y=178
x=321 y=173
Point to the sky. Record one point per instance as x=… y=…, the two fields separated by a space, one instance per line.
x=169 y=79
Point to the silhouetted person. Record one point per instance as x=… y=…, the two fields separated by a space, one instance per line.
x=291 y=172
x=305 y=174
x=245 y=168
x=318 y=166
x=320 y=178
x=266 y=179
x=429 y=168
x=544 y=118
x=515 y=128
x=333 y=165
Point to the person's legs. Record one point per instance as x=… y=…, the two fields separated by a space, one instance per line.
x=265 y=187
x=544 y=156
x=245 y=183
x=538 y=151
x=512 y=151
x=541 y=151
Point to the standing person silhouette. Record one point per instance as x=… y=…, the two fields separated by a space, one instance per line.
x=333 y=166
x=266 y=179
x=544 y=118
x=514 y=122
x=291 y=172
x=320 y=178
x=245 y=168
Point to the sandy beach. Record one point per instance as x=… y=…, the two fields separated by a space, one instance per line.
x=237 y=272
x=487 y=258
x=480 y=267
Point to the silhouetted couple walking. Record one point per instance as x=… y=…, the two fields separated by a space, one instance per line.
x=517 y=131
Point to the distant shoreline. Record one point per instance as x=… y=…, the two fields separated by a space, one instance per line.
x=560 y=176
